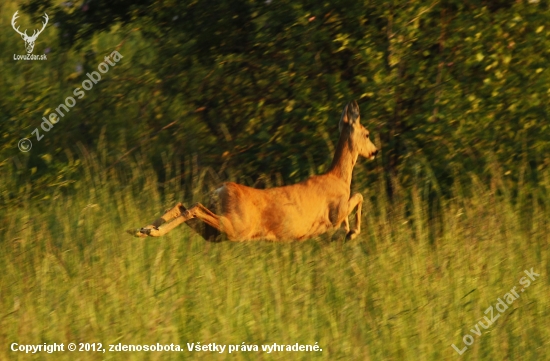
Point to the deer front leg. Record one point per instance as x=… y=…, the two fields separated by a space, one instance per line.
x=343 y=230
x=355 y=201
x=346 y=224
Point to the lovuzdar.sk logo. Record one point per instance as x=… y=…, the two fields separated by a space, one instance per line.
x=29 y=40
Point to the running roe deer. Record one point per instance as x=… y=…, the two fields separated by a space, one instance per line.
x=294 y=212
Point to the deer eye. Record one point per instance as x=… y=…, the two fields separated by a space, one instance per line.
x=367 y=136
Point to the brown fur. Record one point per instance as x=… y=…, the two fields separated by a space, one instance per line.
x=295 y=212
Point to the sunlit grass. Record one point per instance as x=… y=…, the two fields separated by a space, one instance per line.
x=410 y=286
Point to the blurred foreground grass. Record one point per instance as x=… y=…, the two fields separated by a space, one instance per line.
x=415 y=281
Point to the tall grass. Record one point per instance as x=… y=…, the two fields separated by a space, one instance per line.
x=416 y=280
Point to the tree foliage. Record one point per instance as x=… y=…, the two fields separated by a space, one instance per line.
x=447 y=88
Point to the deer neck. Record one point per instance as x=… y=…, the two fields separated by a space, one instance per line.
x=344 y=160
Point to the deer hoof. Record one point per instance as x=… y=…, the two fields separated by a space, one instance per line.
x=151 y=231
x=352 y=235
x=136 y=233
x=144 y=232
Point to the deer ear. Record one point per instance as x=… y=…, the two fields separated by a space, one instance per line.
x=350 y=115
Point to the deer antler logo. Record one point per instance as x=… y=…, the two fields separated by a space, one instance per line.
x=29 y=40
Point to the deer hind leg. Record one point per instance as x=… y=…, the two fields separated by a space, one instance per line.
x=204 y=230
x=355 y=201
x=178 y=215
x=207 y=231
x=168 y=215
x=214 y=224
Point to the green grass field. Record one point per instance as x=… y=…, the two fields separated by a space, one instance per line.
x=411 y=285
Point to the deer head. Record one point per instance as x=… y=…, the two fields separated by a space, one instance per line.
x=358 y=136
x=29 y=40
